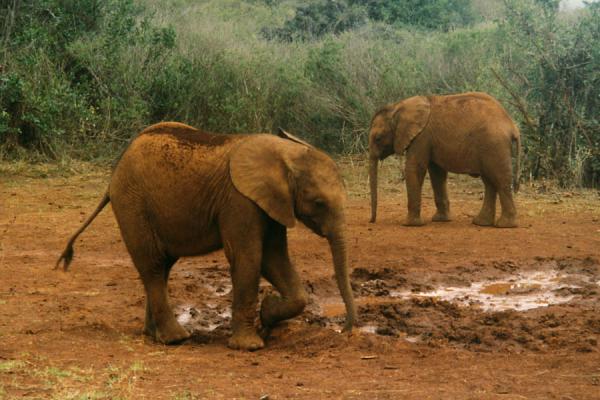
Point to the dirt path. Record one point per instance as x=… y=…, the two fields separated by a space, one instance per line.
x=449 y=310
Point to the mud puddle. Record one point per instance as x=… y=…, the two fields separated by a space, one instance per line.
x=521 y=292
x=552 y=304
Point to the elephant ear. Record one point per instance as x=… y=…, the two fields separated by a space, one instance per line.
x=286 y=135
x=410 y=118
x=259 y=170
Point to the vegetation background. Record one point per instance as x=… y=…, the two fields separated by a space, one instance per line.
x=78 y=78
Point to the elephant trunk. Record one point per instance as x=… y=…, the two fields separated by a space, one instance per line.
x=373 y=183
x=337 y=243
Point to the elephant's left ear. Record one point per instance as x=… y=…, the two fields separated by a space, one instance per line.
x=259 y=170
x=410 y=116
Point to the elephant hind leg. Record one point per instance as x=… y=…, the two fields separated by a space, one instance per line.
x=508 y=217
x=438 y=178
x=153 y=265
x=279 y=271
x=149 y=323
x=488 y=210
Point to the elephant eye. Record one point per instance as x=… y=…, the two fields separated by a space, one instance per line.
x=319 y=202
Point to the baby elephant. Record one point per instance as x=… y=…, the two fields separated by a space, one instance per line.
x=467 y=133
x=177 y=191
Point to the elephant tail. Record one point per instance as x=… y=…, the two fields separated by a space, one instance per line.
x=67 y=254
x=517 y=173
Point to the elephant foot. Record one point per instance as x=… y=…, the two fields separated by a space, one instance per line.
x=413 y=221
x=274 y=309
x=149 y=331
x=483 y=221
x=172 y=335
x=504 y=222
x=246 y=341
x=441 y=217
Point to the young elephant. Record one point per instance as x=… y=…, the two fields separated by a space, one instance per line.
x=178 y=191
x=467 y=133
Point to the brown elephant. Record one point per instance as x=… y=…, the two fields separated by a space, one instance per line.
x=468 y=133
x=177 y=191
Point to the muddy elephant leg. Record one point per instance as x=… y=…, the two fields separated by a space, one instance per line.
x=245 y=277
x=243 y=245
x=415 y=174
x=508 y=217
x=153 y=264
x=279 y=271
x=488 y=210
x=160 y=322
x=438 y=178
x=149 y=324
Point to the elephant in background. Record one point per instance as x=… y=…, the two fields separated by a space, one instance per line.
x=469 y=133
x=177 y=191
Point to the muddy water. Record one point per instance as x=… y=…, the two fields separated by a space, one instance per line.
x=521 y=292
x=493 y=307
x=554 y=306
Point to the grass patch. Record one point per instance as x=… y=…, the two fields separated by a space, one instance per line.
x=11 y=366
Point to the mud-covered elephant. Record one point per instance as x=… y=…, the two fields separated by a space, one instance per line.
x=468 y=133
x=177 y=191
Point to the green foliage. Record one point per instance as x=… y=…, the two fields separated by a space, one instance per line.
x=79 y=78
x=317 y=18
x=440 y=14
x=557 y=79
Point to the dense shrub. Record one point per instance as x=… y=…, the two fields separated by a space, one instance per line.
x=317 y=18
x=554 y=79
x=441 y=14
x=79 y=78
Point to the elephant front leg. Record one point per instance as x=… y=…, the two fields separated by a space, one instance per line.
x=438 y=178
x=243 y=242
x=245 y=277
x=488 y=210
x=415 y=174
x=279 y=271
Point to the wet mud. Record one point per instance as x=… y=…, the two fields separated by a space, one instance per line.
x=548 y=304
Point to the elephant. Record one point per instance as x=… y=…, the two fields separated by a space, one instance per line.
x=468 y=133
x=178 y=191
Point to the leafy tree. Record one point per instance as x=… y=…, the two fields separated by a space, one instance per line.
x=439 y=14
x=554 y=80
x=318 y=18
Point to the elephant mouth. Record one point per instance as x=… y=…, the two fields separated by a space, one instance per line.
x=312 y=225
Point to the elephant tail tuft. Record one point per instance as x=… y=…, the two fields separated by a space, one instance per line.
x=517 y=173
x=67 y=254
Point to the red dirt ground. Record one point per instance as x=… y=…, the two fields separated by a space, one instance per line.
x=78 y=334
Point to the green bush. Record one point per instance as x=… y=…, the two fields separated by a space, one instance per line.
x=318 y=18
x=555 y=70
x=79 y=78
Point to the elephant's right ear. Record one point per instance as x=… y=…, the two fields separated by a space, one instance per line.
x=410 y=118
x=259 y=171
x=286 y=135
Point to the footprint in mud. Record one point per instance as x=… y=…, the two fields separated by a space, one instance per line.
x=204 y=322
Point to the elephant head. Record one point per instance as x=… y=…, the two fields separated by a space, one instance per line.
x=290 y=179
x=392 y=130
